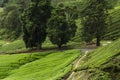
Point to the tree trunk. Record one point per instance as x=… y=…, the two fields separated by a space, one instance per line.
x=98 y=41
x=39 y=46
x=59 y=46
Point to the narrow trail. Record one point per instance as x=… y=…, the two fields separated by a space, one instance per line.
x=85 y=51
x=77 y=62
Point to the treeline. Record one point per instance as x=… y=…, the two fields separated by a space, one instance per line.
x=40 y=20
x=10 y=22
x=34 y=20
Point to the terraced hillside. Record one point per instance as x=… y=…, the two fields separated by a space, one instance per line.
x=101 y=64
x=114 y=27
x=37 y=66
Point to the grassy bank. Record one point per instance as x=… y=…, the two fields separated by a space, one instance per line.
x=103 y=63
x=51 y=65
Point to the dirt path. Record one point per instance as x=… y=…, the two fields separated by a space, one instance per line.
x=77 y=62
x=78 y=75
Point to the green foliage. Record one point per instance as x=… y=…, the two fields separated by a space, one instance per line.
x=105 y=59
x=3 y=2
x=101 y=55
x=113 y=3
x=17 y=45
x=48 y=65
x=10 y=19
x=99 y=75
x=94 y=20
x=61 y=25
x=34 y=21
x=10 y=23
x=2 y=43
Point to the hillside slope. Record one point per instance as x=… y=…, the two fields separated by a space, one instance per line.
x=113 y=31
x=101 y=64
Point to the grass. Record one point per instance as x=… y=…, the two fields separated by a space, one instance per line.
x=52 y=66
x=2 y=43
x=11 y=62
x=12 y=46
x=19 y=46
x=102 y=63
x=6 y=61
x=101 y=55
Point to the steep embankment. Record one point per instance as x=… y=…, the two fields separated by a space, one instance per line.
x=101 y=64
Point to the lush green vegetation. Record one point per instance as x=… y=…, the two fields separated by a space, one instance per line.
x=94 y=59
x=48 y=65
x=19 y=46
x=6 y=62
x=34 y=22
x=10 y=22
x=31 y=30
x=104 y=60
x=113 y=31
x=94 y=18
x=62 y=25
x=14 y=46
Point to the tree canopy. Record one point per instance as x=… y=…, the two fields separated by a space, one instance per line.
x=61 y=25
x=34 y=21
x=94 y=20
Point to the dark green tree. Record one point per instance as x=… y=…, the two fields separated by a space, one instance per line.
x=34 y=21
x=60 y=29
x=94 y=18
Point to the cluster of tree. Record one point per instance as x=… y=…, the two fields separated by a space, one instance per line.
x=41 y=19
x=94 y=20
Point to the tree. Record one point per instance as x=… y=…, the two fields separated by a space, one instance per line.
x=10 y=20
x=94 y=20
x=12 y=24
x=60 y=29
x=34 y=21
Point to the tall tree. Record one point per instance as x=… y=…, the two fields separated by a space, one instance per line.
x=60 y=28
x=34 y=21
x=94 y=20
